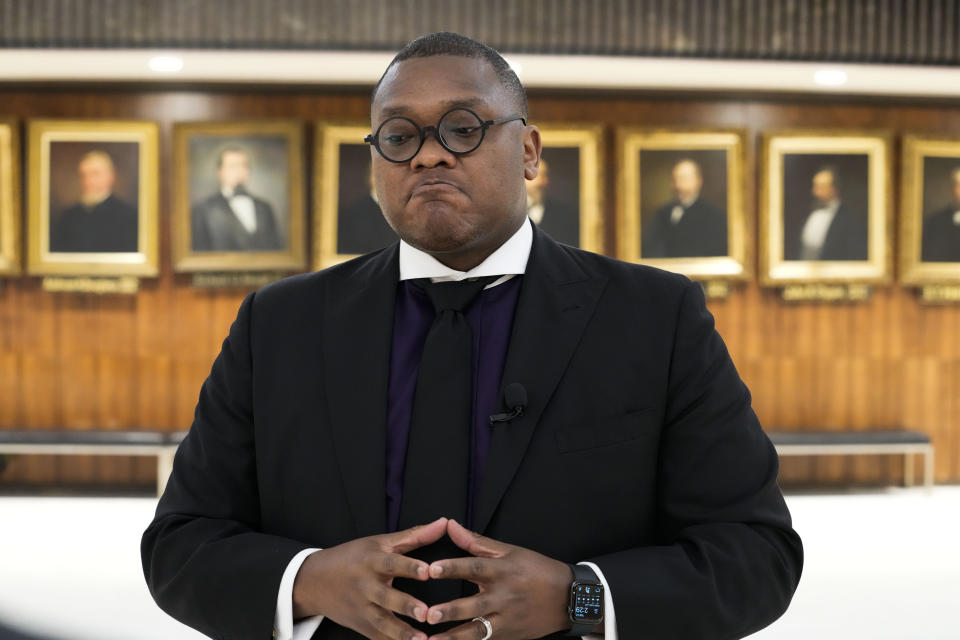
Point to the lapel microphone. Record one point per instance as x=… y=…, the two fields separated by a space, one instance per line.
x=515 y=397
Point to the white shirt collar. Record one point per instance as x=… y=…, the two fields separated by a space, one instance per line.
x=229 y=193
x=688 y=202
x=508 y=260
x=831 y=206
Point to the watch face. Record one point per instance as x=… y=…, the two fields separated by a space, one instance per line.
x=587 y=602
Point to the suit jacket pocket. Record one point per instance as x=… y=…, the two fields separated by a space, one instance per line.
x=607 y=431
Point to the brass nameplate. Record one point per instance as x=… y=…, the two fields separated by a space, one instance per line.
x=940 y=293
x=125 y=285
x=235 y=280
x=826 y=292
x=716 y=289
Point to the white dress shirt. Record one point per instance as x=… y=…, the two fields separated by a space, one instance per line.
x=676 y=214
x=508 y=261
x=815 y=229
x=242 y=207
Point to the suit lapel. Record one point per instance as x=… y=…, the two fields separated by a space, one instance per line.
x=241 y=239
x=556 y=301
x=357 y=336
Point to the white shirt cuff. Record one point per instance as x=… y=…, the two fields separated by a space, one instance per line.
x=609 y=616
x=283 y=626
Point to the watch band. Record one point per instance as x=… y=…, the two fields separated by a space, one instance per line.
x=584 y=575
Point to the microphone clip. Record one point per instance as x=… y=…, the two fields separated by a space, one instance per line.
x=515 y=397
x=506 y=417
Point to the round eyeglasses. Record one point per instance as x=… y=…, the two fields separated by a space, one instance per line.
x=459 y=131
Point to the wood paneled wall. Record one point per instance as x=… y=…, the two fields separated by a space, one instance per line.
x=84 y=361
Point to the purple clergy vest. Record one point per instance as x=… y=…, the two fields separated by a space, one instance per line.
x=490 y=318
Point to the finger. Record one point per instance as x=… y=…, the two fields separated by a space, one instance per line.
x=394 y=565
x=416 y=537
x=474 y=569
x=471 y=630
x=398 y=602
x=474 y=543
x=383 y=624
x=462 y=609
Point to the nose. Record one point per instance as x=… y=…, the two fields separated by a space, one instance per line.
x=432 y=153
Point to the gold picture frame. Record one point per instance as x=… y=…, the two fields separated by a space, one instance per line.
x=265 y=229
x=347 y=219
x=844 y=179
x=9 y=198
x=566 y=198
x=122 y=159
x=929 y=222
x=696 y=173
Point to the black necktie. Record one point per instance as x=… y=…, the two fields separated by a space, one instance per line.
x=436 y=470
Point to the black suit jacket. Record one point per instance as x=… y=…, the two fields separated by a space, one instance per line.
x=846 y=238
x=638 y=450
x=561 y=221
x=701 y=232
x=215 y=227
x=941 y=237
x=108 y=226
x=361 y=228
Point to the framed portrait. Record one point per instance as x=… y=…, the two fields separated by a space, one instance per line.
x=681 y=203
x=92 y=198
x=238 y=194
x=930 y=212
x=825 y=208
x=347 y=219
x=9 y=198
x=566 y=199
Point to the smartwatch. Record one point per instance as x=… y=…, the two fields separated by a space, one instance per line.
x=586 y=600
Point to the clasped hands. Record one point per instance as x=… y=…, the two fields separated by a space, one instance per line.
x=523 y=594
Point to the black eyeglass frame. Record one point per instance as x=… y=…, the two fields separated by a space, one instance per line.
x=374 y=138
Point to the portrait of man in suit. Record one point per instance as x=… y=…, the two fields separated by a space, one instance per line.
x=687 y=226
x=940 y=239
x=459 y=434
x=361 y=227
x=834 y=225
x=101 y=220
x=554 y=207
x=233 y=218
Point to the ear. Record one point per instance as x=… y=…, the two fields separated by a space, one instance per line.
x=532 y=146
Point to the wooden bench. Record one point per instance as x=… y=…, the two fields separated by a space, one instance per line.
x=850 y=443
x=161 y=445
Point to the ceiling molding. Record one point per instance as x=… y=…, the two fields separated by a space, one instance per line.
x=363 y=69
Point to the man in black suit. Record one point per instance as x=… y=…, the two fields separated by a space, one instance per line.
x=100 y=222
x=688 y=226
x=940 y=241
x=360 y=224
x=620 y=436
x=556 y=217
x=232 y=219
x=831 y=231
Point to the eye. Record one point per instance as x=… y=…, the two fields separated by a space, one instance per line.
x=465 y=131
x=396 y=139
